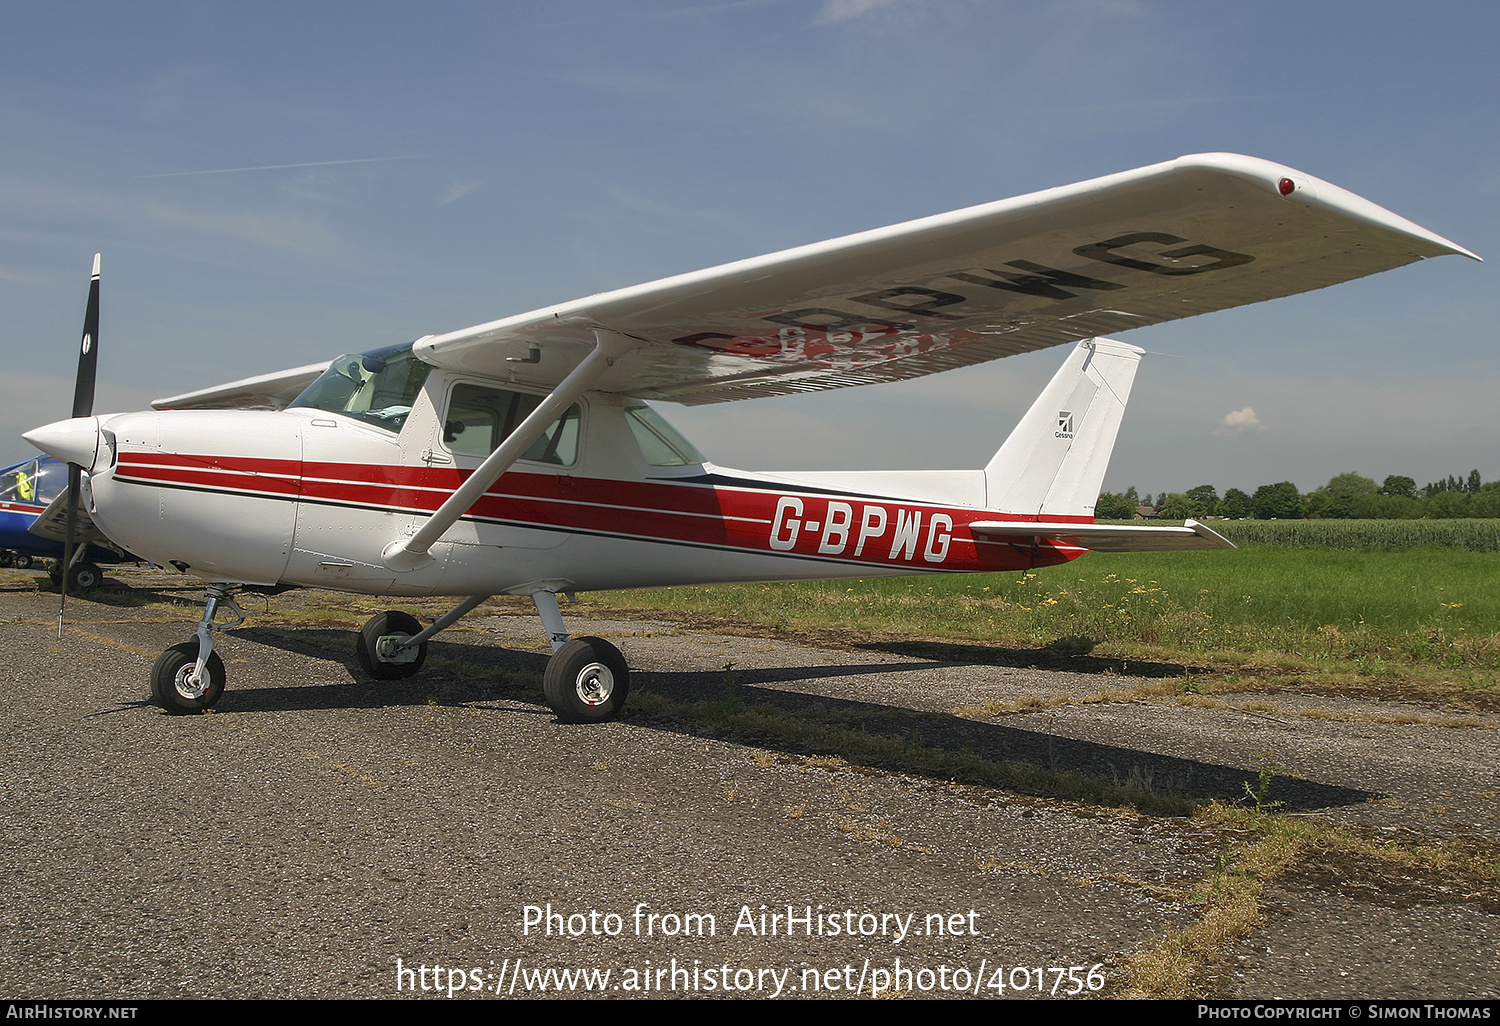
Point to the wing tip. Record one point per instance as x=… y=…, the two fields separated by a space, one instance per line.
x=1314 y=191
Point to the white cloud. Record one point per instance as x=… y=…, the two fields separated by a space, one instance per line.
x=1238 y=422
x=458 y=191
x=845 y=10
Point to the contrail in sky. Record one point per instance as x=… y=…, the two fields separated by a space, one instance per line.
x=277 y=167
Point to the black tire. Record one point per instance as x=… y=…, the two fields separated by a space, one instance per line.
x=170 y=688
x=587 y=681
x=24 y=561
x=85 y=578
x=392 y=621
x=7 y=559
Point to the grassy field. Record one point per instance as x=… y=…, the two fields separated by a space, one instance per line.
x=1374 y=612
x=1471 y=535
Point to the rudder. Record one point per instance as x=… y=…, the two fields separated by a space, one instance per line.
x=1053 y=463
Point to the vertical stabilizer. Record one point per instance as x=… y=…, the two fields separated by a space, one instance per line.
x=1053 y=462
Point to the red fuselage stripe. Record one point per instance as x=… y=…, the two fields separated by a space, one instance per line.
x=752 y=517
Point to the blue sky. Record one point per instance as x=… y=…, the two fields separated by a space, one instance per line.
x=458 y=162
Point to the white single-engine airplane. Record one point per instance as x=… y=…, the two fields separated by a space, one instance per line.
x=517 y=457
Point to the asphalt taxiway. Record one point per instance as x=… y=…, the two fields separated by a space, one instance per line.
x=323 y=835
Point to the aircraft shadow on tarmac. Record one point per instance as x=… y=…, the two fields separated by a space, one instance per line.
x=112 y=591
x=1192 y=778
x=1029 y=658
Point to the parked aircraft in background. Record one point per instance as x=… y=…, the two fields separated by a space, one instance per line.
x=28 y=534
x=519 y=457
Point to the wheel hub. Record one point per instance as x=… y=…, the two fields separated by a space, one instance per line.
x=186 y=686
x=596 y=682
x=387 y=650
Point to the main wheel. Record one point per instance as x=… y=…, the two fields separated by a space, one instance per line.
x=391 y=622
x=23 y=561
x=587 y=681
x=171 y=687
x=84 y=578
x=7 y=558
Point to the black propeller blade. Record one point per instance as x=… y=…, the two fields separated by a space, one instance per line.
x=83 y=406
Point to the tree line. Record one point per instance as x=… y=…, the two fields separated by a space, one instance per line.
x=1346 y=497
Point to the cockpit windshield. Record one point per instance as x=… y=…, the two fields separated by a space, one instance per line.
x=37 y=481
x=378 y=387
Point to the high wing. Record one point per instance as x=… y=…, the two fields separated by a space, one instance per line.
x=1185 y=237
x=263 y=392
x=1105 y=537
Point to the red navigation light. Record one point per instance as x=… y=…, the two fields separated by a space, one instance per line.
x=1286 y=186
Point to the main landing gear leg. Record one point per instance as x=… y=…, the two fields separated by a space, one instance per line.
x=587 y=678
x=189 y=677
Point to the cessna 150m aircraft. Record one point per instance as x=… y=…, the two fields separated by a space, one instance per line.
x=518 y=457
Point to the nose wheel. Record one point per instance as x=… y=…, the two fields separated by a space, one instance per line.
x=189 y=678
x=83 y=577
x=178 y=688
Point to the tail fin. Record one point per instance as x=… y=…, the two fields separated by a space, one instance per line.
x=1053 y=462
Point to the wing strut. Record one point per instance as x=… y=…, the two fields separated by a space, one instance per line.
x=410 y=553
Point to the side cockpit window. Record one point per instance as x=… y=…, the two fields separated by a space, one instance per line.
x=660 y=442
x=377 y=387
x=480 y=417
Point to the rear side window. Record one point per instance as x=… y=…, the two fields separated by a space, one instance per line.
x=480 y=417
x=660 y=442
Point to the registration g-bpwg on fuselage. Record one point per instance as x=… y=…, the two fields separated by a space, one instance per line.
x=520 y=456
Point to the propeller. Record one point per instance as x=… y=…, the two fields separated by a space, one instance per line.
x=83 y=406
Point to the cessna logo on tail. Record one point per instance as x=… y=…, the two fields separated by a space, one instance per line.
x=1064 y=424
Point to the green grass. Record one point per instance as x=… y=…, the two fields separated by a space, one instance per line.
x=1375 y=609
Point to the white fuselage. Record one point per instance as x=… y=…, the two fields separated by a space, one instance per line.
x=309 y=498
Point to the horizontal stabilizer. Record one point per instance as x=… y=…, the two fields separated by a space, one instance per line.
x=1105 y=537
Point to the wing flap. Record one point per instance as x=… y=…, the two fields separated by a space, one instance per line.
x=1190 y=236
x=1106 y=537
